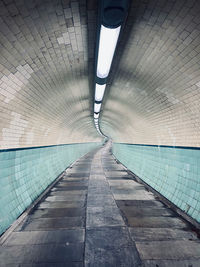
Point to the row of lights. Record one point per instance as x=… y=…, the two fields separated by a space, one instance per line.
x=107 y=45
x=111 y=16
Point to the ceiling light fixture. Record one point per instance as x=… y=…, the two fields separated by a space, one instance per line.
x=112 y=15
x=96 y=116
x=97 y=107
x=99 y=91
x=107 y=45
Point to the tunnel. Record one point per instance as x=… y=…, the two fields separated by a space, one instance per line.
x=100 y=133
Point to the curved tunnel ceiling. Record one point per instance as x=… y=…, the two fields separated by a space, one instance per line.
x=46 y=65
x=45 y=60
x=154 y=92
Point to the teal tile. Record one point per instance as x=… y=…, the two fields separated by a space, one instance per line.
x=174 y=172
x=25 y=174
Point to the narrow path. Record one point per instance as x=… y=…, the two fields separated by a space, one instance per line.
x=97 y=215
x=108 y=242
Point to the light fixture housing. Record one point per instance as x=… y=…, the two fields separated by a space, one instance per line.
x=111 y=16
x=96 y=115
x=97 y=107
x=107 y=44
x=99 y=91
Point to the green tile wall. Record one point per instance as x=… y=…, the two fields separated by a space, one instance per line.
x=26 y=173
x=173 y=172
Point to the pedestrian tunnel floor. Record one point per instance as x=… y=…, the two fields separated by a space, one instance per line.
x=96 y=215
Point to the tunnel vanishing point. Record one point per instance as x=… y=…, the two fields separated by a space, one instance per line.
x=100 y=133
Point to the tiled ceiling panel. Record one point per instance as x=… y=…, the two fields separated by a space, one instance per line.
x=154 y=91
x=47 y=72
x=45 y=86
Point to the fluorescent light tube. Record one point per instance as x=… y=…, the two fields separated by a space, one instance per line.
x=96 y=116
x=99 y=91
x=97 y=107
x=107 y=45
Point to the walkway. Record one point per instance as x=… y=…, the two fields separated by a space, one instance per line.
x=98 y=216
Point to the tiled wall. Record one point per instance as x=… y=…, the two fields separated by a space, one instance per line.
x=45 y=96
x=25 y=174
x=154 y=92
x=173 y=172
